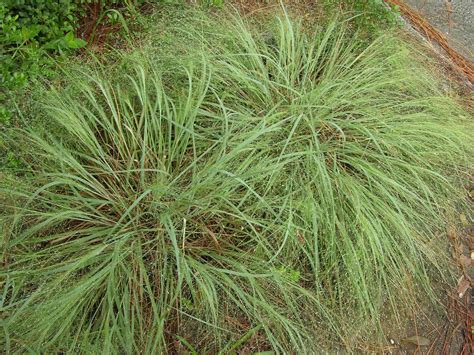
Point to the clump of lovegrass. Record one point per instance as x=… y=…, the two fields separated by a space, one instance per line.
x=278 y=185
x=140 y=225
x=372 y=150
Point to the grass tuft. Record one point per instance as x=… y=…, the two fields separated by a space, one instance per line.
x=281 y=191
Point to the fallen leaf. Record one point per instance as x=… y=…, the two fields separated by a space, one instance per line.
x=465 y=261
x=417 y=340
x=463 y=286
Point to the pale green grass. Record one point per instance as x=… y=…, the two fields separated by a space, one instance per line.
x=280 y=191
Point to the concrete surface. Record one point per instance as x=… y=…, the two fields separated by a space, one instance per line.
x=454 y=18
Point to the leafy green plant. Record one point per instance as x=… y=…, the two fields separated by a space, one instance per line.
x=28 y=30
x=31 y=30
x=280 y=188
x=35 y=35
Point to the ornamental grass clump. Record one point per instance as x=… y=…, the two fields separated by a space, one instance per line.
x=372 y=152
x=279 y=192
